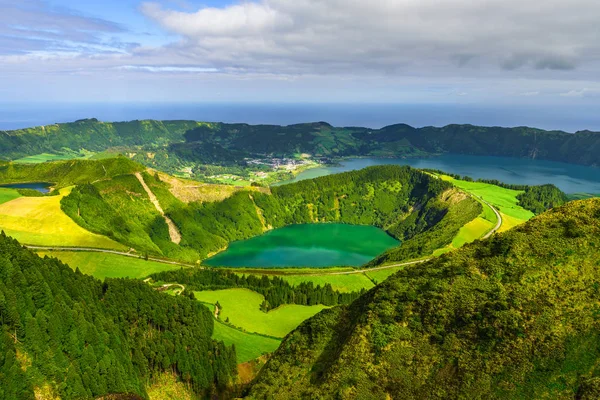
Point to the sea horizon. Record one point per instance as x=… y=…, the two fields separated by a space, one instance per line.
x=369 y=115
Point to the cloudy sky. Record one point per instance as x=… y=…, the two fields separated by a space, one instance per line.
x=494 y=52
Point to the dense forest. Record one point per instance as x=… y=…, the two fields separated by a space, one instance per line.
x=401 y=200
x=172 y=142
x=277 y=291
x=73 y=336
x=514 y=316
x=541 y=198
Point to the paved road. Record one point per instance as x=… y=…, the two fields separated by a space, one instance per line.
x=498 y=216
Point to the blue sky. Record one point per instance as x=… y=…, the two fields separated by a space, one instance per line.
x=489 y=52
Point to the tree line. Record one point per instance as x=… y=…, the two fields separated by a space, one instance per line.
x=276 y=290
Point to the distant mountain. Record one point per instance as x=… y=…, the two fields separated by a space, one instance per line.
x=512 y=317
x=230 y=143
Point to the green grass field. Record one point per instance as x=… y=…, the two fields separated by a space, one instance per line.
x=45 y=157
x=473 y=230
x=101 y=265
x=342 y=283
x=7 y=195
x=505 y=200
x=242 y=307
x=40 y=221
x=248 y=346
x=383 y=274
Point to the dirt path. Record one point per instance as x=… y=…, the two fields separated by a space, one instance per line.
x=170 y=285
x=173 y=231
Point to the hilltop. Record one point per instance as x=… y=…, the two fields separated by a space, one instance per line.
x=514 y=316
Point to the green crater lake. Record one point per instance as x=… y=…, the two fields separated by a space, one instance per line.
x=312 y=245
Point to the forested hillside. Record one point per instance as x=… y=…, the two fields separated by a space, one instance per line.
x=67 y=335
x=511 y=317
x=170 y=143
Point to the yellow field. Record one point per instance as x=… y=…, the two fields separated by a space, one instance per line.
x=472 y=231
x=40 y=221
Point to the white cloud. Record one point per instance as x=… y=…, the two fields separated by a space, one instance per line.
x=585 y=92
x=152 y=68
x=390 y=36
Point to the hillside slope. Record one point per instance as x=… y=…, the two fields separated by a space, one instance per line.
x=516 y=316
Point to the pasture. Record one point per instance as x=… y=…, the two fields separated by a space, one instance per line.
x=104 y=265
x=242 y=307
x=248 y=346
x=7 y=195
x=40 y=221
x=341 y=283
x=505 y=200
x=45 y=157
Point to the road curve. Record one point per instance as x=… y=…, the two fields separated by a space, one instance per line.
x=498 y=216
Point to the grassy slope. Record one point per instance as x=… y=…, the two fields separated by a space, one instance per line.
x=505 y=200
x=45 y=157
x=101 y=265
x=342 y=283
x=7 y=195
x=247 y=345
x=40 y=221
x=242 y=307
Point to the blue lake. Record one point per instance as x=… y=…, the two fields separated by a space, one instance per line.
x=42 y=187
x=569 y=178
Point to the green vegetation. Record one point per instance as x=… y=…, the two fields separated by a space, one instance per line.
x=45 y=157
x=342 y=283
x=276 y=291
x=515 y=316
x=7 y=195
x=68 y=173
x=40 y=221
x=248 y=346
x=383 y=196
x=243 y=309
x=541 y=198
x=71 y=336
x=505 y=200
x=456 y=210
x=173 y=145
x=105 y=265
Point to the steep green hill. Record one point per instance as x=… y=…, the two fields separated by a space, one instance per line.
x=512 y=317
x=405 y=202
x=67 y=335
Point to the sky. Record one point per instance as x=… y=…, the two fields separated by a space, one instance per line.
x=485 y=52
